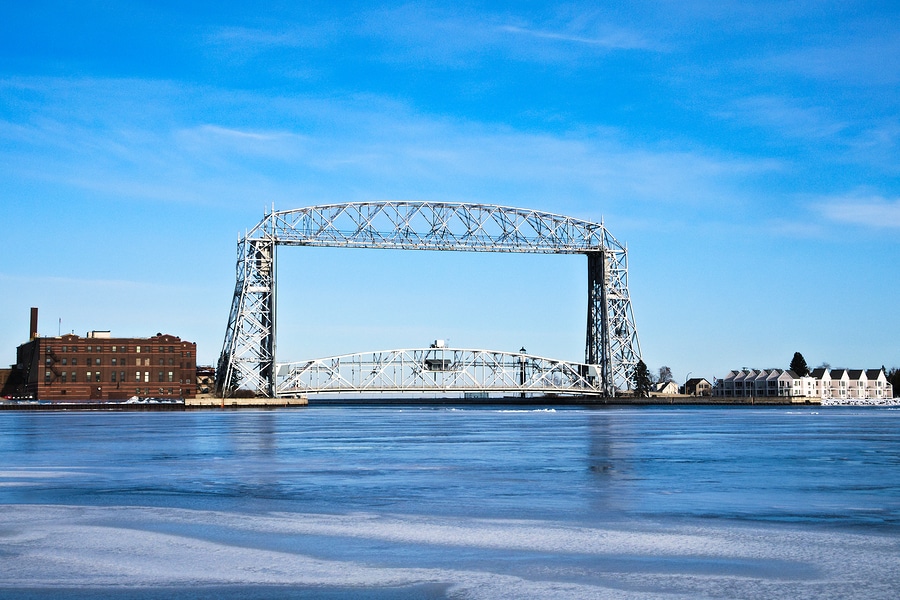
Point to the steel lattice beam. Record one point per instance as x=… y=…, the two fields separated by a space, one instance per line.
x=248 y=353
x=438 y=370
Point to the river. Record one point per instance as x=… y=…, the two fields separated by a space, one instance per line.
x=444 y=502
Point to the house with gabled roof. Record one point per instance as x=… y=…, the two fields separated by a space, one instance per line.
x=822 y=376
x=772 y=382
x=877 y=384
x=666 y=387
x=725 y=386
x=832 y=386
x=759 y=383
x=840 y=384
x=858 y=384
x=697 y=386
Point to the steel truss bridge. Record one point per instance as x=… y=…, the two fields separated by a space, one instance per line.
x=248 y=362
x=438 y=370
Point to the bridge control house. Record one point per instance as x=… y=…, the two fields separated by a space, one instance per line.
x=99 y=367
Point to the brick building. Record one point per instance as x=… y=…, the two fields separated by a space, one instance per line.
x=100 y=367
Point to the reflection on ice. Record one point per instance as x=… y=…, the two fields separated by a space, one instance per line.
x=436 y=502
x=57 y=547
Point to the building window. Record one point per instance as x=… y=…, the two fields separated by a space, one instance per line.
x=137 y=349
x=48 y=361
x=160 y=376
x=64 y=349
x=137 y=375
x=63 y=377
x=74 y=348
x=113 y=348
x=122 y=376
x=171 y=375
x=97 y=376
x=162 y=361
x=89 y=348
x=113 y=377
x=113 y=360
x=89 y=373
x=74 y=361
x=47 y=376
x=97 y=361
x=65 y=360
x=146 y=376
x=74 y=379
x=170 y=362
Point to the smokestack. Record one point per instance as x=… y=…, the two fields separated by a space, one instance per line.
x=34 y=331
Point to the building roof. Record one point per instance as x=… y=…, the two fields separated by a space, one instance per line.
x=661 y=387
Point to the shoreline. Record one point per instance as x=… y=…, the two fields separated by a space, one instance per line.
x=208 y=402
x=271 y=403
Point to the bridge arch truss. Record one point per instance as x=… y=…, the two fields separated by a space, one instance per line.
x=247 y=360
x=437 y=370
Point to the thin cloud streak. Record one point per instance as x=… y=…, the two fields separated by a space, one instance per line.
x=366 y=144
x=615 y=41
x=875 y=212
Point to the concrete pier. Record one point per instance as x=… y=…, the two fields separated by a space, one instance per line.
x=212 y=402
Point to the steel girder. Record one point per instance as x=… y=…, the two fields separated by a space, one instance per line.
x=248 y=353
x=437 y=370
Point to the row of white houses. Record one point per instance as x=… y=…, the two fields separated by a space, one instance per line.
x=839 y=385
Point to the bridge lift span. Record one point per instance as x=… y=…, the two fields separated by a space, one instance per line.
x=247 y=360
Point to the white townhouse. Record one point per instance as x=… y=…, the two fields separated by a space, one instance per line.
x=840 y=384
x=764 y=383
x=822 y=377
x=833 y=386
x=877 y=384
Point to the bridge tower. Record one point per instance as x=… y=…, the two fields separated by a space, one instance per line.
x=247 y=360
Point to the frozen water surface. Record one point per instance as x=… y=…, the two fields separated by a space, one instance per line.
x=398 y=503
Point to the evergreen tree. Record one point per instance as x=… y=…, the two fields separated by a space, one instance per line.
x=641 y=381
x=893 y=377
x=798 y=365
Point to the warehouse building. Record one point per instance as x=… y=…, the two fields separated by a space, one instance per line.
x=99 y=367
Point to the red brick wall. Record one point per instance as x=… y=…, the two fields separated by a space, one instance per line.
x=162 y=366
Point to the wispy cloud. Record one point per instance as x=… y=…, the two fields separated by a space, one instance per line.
x=365 y=145
x=786 y=117
x=614 y=40
x=874 y=211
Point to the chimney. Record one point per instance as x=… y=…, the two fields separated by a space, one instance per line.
x=34 y=331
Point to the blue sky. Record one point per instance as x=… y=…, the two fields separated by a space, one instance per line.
x=748 y=154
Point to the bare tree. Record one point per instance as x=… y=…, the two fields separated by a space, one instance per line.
x=665 y=375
